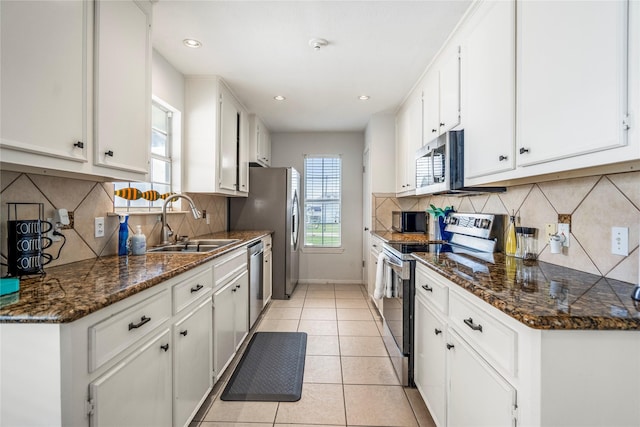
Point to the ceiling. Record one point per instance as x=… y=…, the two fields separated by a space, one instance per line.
x=261 y=49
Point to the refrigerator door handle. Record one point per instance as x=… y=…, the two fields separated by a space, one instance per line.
x=295 y=221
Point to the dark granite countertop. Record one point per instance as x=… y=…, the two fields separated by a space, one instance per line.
x=72 y=291
x=392 y=236
x=538 y=294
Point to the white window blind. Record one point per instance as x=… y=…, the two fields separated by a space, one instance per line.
x=322 y=201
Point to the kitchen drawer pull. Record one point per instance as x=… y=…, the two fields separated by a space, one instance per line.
x=143 y=320
x=196 y=288
x=184 y=333
x=165 y=347
x=469 y=323
x=450 y=346
x=427 y=288
x=437 y=331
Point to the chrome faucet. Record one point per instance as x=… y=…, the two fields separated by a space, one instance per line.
x=166 y=231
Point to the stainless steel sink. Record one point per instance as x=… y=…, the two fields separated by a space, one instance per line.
x=191 y=246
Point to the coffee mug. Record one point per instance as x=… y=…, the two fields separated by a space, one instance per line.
x=28 y=227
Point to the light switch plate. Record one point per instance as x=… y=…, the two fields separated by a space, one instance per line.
x=620 y=241
x=563 y=229
x=550 y=230
x=99 y=226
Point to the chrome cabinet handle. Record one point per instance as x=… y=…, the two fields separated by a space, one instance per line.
x=143 y=320
x=469 y=323
x=427 y=288
x=196 y=288
x=524 y=150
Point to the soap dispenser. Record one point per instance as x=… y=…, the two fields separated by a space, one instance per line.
x=138 y=242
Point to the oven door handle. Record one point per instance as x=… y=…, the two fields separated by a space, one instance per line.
x=389 y=261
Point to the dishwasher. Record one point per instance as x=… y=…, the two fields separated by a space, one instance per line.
x=255 y=255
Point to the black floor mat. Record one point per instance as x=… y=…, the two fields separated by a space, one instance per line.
x=271 y=369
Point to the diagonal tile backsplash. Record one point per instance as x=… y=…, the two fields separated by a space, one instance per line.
x=86 y=200
x=595 y=203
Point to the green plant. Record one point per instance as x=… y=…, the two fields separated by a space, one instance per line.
x=438 y=212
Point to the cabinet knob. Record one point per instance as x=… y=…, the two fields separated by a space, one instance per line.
x=108 y=153
x=79 y=144
x=434 y=130
x=234 y=290
x=184 y=333
x=437 y=331
x=501 y=158
x=165 y=347
x=237 y=286
x=524 y=150
x=441 y=124
x=450 y=346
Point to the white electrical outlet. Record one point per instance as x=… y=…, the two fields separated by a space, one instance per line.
x=99 y=226
x=620 y=241
x=563 y=229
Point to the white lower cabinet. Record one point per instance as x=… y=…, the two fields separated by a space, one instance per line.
x=192 y=338
x=478 y=395
x=267 y=271
x=230 y=320
x=137 y=391
x=477 y=366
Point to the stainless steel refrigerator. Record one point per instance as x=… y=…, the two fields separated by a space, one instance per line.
x=273 y=204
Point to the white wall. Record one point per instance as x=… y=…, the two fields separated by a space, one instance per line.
x=167 y=83
x=288 y=149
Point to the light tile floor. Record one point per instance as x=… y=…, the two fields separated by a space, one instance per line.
x=348 y=377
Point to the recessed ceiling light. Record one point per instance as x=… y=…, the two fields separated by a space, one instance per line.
x=279 y=98
x=363 y=97
x=192 y=43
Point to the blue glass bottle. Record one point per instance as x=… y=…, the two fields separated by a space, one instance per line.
x=123 y=236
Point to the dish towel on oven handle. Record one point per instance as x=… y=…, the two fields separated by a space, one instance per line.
x=384 y=280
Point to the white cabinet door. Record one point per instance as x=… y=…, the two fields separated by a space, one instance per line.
x=229 y=141
x=192 y=362
x=431 y=106
x=478 y=395
x=572 y=85
x=402 y=135
x=267 y=266
x=241 y=303
x=119 y=401
x=43 y=85
x=408 y=140
x=223 y=327
x=450 y=92
x=430 y=361
x=122 y=86
x=488 y=87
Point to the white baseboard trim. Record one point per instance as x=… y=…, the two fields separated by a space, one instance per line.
x=326 y=281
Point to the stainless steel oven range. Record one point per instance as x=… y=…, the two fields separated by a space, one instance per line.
x=476 y=233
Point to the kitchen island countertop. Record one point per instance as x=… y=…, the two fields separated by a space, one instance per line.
x=72 y=291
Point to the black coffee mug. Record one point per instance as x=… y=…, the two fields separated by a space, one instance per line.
x=25 y=246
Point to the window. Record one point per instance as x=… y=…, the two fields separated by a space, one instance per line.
x=322 y=201
x=140 y=196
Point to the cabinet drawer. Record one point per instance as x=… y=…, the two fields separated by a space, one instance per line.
x=113 y=335
x=433 y=288
x=229 y=267
x=491 y=338
x=191 y=289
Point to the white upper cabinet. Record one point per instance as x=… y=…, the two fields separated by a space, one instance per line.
x=488 y=89
x=43 y=85
x=572 y=79
x=408 y=140
x=122 y=92
x=442 y=95
x=60 y=58
x=260 y=142
x=216 y=139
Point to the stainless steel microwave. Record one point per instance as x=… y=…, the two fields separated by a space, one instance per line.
x=409 y=221
x=440 y=167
